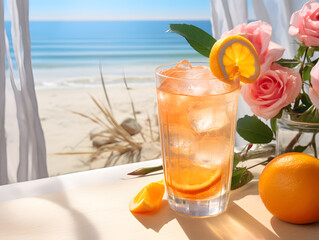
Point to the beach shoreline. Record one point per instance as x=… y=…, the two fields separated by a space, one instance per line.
x=90 y=81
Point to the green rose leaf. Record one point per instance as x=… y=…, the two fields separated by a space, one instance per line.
x=306 y=100
x=254 y=130
x=313 y=63
x=237 y=159
x=241 y=176
x=236 y=177
x=199 y=40
x=310 y=115
x=306 y=73
x=299 y=148
x=289 y=63
x=301 y=51
x=310 y=52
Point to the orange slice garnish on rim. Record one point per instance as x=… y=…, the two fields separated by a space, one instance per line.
x=234 y=56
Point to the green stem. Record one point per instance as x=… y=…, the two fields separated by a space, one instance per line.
x=302 y=67
x=248 y=147
x=293 y=142
x=144 y=171
x=297 y=101
x=303 y=62
x=314 y=145
x=266 y=161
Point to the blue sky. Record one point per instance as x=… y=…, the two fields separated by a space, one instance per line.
x=119 y=9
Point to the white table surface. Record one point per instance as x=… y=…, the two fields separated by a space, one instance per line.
x=94 y=205
x=71 y=181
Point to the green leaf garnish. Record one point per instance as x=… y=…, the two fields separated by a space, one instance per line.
x=200 y=40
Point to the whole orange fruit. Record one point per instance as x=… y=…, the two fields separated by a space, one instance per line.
x=289 y=188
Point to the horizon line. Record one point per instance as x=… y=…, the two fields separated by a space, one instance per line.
x=109 y=20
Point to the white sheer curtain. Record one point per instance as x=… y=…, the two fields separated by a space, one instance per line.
x=3 y=145
x=226 y=14
x=29 y=143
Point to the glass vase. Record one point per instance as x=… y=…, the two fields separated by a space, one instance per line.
x=295 y=136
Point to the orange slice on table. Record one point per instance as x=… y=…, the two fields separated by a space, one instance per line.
x=149 y=198
x=234 y=56
x=195 y=180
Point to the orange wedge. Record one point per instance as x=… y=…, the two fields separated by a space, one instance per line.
x=194 y=180
x=234 y=56
x=149 y=199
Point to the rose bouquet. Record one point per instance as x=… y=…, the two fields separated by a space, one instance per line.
x=285 y=87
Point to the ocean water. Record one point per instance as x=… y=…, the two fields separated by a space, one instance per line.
x=67 y=54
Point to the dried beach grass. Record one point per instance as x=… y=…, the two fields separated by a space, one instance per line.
x=124 y=146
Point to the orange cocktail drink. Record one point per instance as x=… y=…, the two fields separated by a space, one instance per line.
x=197 y=116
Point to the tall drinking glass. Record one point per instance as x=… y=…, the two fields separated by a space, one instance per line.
x=197 y=118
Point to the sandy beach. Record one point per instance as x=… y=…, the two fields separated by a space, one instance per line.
x=67 y=132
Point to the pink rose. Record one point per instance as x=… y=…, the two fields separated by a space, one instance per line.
x=305 y=24
x=273 y=90
x=314 y=90
x=259 y=33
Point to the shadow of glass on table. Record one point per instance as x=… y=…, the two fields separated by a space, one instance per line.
x=233 y=223
x=157 y=220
